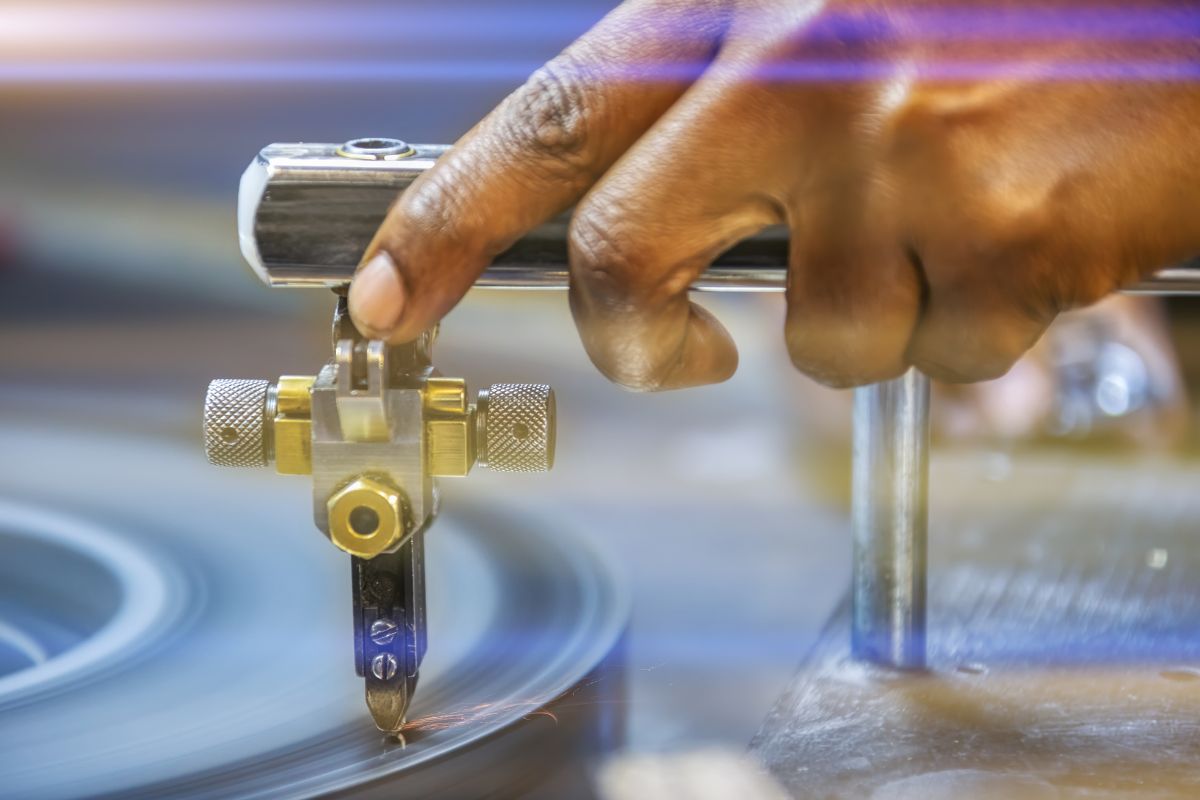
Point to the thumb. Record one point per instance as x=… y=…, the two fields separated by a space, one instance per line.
x=377 y=295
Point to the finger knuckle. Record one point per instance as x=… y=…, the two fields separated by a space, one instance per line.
x=605 y=262
x=553 y=116
x=844 y=40
x=850 y=34
x=1006 y=222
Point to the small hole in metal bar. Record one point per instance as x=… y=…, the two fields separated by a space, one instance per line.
x=376 y=147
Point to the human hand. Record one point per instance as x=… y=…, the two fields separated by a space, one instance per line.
x=953 y=174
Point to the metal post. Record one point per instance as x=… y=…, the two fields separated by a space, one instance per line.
x=889 y=519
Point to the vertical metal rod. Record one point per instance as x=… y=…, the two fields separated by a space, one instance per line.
x=889 y=519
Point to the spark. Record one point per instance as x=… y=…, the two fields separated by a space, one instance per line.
x=478 y=714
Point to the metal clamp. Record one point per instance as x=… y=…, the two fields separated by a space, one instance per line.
x=375 y=428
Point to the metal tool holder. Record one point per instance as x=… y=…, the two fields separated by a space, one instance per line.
x=375 y=428
x=308 y=211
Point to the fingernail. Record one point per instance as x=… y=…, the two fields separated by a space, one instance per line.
x=377 y=296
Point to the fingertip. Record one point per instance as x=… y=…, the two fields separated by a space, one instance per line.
x=377 y=297
x=655 y=360
x=959 y=342
x=842 y=354
x=710 y=355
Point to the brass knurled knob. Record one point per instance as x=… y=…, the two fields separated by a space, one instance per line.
x=516 y=427
x=236 y=433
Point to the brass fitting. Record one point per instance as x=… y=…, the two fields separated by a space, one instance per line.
x=448 y=433
x=292 y=425
x=254 y=422
x=368 y=516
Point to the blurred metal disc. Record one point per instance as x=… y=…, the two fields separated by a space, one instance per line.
x=171 y=630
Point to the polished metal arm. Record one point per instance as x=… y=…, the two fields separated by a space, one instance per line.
x=306 y=213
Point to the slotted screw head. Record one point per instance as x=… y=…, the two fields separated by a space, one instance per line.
x=384 y=666
x=383 y=631
x=516 y=427
x=235 y=422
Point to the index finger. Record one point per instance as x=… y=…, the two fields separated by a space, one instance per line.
x=532 y=157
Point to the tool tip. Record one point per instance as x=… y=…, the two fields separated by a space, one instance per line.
x=389 y=707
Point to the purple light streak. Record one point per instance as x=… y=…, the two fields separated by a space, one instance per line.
x=212 y=45
x=797 y=71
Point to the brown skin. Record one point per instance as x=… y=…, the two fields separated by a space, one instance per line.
x=938 y=221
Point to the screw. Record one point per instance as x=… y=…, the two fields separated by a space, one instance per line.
x=383 y=666
x=383 y=631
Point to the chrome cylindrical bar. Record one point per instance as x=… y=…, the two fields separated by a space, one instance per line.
x=889 y=521
x=306 y=213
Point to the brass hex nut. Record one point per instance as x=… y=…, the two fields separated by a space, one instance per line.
x=368 y=516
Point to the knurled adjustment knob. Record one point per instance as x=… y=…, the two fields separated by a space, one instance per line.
x=516 y=427
x=236 y=433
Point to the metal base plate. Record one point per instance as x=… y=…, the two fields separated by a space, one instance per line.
x=1064 y=639
x=188 y=634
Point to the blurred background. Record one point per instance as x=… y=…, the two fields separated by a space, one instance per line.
x=124 y=127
